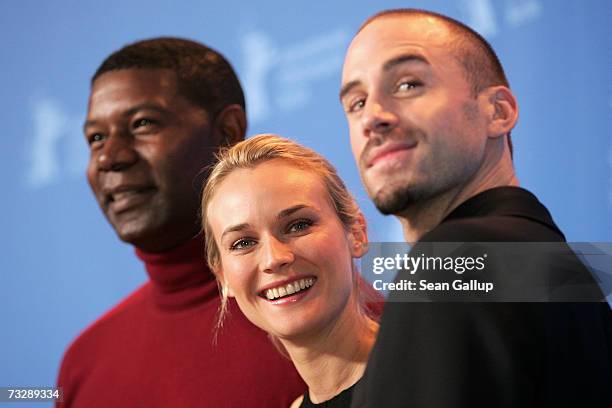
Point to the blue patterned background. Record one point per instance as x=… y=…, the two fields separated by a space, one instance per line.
x=61 y=265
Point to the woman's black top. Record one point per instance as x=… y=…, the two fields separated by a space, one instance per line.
x=342 y=400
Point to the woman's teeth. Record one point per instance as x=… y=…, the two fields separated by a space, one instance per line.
x=289 y=289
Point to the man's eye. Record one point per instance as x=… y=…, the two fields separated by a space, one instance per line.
x=242 y=243
x=94 y=138
x=142 y=122
x=357 y=105
x=407 y=85
x=300 y=226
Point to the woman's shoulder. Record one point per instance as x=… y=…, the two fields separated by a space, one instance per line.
x=297 y=402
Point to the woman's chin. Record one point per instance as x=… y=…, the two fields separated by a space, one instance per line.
x=298 y=322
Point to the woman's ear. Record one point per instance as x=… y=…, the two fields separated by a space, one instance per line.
x=230 y=125
x=226 y=291
x=358 y=237
x=502 y=110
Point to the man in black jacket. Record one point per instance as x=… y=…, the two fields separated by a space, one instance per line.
x=430 y=113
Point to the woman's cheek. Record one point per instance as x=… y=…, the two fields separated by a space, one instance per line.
x=240 y=275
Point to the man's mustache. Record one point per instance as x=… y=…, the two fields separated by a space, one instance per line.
x=378 y=142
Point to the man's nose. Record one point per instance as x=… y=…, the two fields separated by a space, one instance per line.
x=275 y=255
x=378 y=117
x=117 y=153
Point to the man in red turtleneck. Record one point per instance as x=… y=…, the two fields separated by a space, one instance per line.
x=158 y=111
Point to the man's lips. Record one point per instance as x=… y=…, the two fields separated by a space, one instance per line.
x=124 y=197
x=379 y=153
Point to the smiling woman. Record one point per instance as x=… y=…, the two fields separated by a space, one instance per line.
x=281 y=235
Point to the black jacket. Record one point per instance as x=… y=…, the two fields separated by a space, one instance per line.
x=450 y=353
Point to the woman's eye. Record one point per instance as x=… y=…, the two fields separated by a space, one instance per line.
x=242 y=243
x=300 y=226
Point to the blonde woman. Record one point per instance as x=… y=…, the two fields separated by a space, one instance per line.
x=282 y=233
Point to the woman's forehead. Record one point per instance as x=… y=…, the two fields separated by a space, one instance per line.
x=268 y=188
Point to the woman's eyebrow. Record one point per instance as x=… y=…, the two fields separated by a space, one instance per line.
x=288 y=211
x=238 y=227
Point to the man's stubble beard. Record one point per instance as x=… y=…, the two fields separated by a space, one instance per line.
x=395 y=196
x=394 y=199
x=399 y=195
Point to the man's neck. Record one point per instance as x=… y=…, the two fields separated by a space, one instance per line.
x=422 y=217
x=332 y=361
x=161 y=242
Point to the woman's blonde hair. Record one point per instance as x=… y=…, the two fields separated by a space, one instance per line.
x=259 y=149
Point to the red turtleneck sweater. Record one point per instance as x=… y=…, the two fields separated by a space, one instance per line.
x=155 y=349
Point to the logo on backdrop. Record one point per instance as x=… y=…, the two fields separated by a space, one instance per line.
x=482 y=16
x=280 y=79
x=58 y=149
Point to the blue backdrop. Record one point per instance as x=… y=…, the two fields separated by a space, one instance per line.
x=61 y=264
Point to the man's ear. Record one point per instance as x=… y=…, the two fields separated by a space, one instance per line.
x=502 y=110
x=230 y=125
x=358 y=237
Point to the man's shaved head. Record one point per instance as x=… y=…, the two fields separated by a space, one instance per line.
x=475 y=54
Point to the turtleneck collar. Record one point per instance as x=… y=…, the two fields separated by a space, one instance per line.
x=180 y=278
